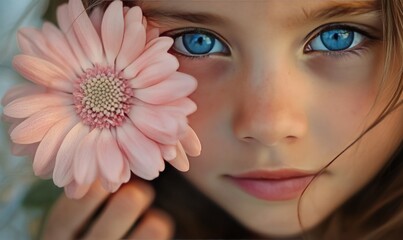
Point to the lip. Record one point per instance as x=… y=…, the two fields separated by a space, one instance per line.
x=278 y=185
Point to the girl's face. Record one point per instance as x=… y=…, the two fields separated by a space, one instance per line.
x=284 y=87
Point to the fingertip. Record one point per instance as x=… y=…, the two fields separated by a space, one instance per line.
x=67 y=216
x=156 y=224
x=165 y=221
x=142 y=186
x=97 y=191
x=121 y=210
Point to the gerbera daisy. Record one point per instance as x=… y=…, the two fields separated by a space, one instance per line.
x=107 y=99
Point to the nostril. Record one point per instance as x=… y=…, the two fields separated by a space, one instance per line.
x=287 y=140
x=270 y=127
x=248 y=139
x=291 y=139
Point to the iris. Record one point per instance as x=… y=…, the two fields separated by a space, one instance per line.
x=198 y=43
x=337 y=39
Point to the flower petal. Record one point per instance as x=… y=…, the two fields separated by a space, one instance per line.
x=153 y=49
x=183 y=105
x=63 y=172
x=161 y=126
x=112 y=30
x=42 y=72
x=177 y=86
x=191 y=143
x=161 y=68
x=126 y=173
x=85 y=31
x=26 y=45
x=26 y=106
x=181 y=161
x=85 y=159
x=143 y=154
x=168 y=151
x=21 y=90
x=134 y=41
x=110 y=186
x=34 y=128
x=110 y=158
x=44 y=160
x=134 y=15
x=7 y=119
x=23 y=149
x=96 y=19
x=40 y=48
x=162 y=166
x=65 y=23
x=75 y=190
x=145 y=23
x=58 y=43
x=14 y=124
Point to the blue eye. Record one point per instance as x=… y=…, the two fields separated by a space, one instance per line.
x=198 y=44
x=336 y=40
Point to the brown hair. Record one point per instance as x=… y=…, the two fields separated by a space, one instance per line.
x=375 y=212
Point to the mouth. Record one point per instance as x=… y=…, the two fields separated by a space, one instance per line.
x=279 y=185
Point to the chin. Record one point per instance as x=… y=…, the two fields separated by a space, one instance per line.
x=267 y=229
x=275 y=221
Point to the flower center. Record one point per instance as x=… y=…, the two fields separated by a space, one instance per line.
x=102 y=99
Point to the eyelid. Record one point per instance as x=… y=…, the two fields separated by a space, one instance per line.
x=178 y=31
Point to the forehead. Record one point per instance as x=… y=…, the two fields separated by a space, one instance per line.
x=234 y=4
x=288 y=11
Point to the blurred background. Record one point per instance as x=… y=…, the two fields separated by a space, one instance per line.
x=24 y=198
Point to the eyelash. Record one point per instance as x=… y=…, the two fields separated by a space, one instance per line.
x=356 y=50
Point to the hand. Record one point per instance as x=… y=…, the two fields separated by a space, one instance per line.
x=68 y=218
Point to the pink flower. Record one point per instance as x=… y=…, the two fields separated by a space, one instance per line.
x=106 y=100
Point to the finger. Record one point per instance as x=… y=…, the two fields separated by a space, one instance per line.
x=156 y=224
x=122 y=210
x=69 y=215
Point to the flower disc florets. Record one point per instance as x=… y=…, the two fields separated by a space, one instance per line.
x=102 y=98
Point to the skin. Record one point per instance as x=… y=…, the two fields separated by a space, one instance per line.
x=267 y=106
x=131 y=202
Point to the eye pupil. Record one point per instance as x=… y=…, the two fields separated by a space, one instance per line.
x=338 y=39
x=200 y=40
x=197 y=43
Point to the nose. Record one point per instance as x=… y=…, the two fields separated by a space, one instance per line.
x=271 y=106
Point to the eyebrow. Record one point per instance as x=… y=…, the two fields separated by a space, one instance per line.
x=342 y=9
x=334 y=10
x=192 y=17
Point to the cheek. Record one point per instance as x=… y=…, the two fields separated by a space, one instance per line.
x=206 y=69
x=352 y=170
x=214 y=106
x=349 y=105
x=212 y=96
x=344 y=93
x=340 y=115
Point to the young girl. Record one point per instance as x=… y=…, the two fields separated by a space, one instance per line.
x=300 y=119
